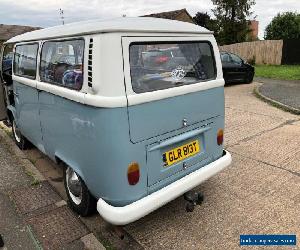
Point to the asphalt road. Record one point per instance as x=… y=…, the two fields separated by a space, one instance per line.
x=258 y=194
x=285 y=92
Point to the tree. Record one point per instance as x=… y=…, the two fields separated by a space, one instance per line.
x=232 y=25
x=284 y=26
x=205 y=20
x=202 y=19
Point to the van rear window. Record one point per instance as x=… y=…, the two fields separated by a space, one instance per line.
x=162 y=65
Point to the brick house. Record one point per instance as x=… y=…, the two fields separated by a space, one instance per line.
x=253 y=26
x=179 y=15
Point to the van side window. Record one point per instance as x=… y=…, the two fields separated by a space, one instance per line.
x=62 y=63
x=163 y=65
x=25 y=60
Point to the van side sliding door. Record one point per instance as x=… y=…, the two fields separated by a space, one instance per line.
x=26 y=95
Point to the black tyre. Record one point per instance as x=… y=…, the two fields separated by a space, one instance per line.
x=249 y=77
x=200 y=199
x=19 y=139
x=79 y=198
x=1 y=241
x=189 y=207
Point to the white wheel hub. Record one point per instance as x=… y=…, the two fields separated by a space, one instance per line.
x=74 y=186
x=16 y=132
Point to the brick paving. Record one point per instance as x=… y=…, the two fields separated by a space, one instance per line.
x=15 y=232
x=258 y=194
x=57 y=227
x=29 y=199
x=33 y=215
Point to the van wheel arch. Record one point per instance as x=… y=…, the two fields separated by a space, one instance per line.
x=80 y=200
x=64 y=163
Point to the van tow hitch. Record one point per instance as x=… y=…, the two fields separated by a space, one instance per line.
x=193 y=198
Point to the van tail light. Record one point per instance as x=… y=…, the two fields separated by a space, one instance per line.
x=220 y=136
x=133 y=173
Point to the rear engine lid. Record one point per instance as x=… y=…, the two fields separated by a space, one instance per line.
x=156 y=118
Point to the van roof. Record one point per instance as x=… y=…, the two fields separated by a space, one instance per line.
x=124 y=24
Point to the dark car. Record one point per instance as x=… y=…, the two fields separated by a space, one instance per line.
x=168 y=58
x=235 y=69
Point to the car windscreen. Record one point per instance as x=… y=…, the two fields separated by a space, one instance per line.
x=163 y=65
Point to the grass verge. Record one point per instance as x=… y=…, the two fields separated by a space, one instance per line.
x=283 y=72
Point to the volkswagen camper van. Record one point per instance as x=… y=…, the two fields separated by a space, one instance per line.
x=132 y=107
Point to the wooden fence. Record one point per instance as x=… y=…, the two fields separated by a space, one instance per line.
x=262 y=52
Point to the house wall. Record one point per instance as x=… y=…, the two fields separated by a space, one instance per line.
x=254 y=29
x=264 y=52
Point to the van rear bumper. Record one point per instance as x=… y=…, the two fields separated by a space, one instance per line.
x=144 y=206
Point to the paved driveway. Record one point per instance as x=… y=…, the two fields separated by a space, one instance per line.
x=259 y=193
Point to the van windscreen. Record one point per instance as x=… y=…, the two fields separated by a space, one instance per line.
x=163 y=65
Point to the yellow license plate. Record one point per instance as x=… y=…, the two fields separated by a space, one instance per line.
x=180 y=153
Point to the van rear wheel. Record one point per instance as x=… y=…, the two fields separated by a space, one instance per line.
x=19 y=139
x=79 y=198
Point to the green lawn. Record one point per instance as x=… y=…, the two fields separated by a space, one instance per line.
x=285 y=72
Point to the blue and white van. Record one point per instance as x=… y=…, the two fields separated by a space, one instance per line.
x=132 y=107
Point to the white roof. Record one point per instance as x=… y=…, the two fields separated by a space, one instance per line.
x=124 y=24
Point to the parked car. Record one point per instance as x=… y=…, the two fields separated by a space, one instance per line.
x=164 y=58
x=235 y=69
x=130 y=138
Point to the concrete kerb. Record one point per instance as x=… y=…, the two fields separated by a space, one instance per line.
x=89 y=240
x=275 y=103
